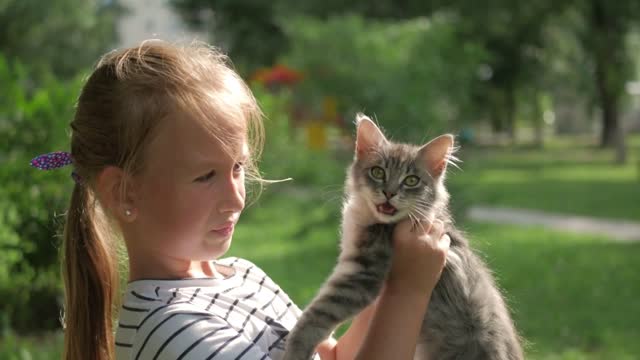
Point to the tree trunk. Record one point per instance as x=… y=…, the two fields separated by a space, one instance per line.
x=607 y=47
x=496 y=119
x=538 y=121
x=608 y=104
x=621 y=148
x=510 y=113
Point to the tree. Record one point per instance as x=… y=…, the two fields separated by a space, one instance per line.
x=247 y=29
x=510 y=31
x=58 y=35
x=604 y=35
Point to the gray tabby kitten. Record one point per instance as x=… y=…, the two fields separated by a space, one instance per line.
x=467 y=317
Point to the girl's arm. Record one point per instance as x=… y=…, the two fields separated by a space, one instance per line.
x=389 y=328
x=394 y=329
x=352 y=339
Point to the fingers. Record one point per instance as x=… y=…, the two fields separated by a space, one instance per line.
x=443 y=245
x=433 y=228
x=437 y=229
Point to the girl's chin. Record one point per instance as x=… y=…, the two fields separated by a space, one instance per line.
x=217 y=245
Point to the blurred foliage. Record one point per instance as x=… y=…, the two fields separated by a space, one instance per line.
x=33 y=120
x=42 y=46
x=513 y=35
x=57 y=36
x=413 y=75
x=606 y=26
x=44 y=346
x=242 y=27
x=286 y=153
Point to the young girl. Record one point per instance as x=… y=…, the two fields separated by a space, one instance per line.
x=161 y=144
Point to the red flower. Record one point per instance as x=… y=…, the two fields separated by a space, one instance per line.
x=278 y=75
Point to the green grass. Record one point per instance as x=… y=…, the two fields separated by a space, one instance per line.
x=295 y=241
x=573 y=297
x=568 y=176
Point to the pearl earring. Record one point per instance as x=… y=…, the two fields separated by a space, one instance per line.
x=127 y=212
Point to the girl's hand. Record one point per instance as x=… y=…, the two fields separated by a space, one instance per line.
x=419 y=257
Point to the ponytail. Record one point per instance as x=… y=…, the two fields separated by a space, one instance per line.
x=90 y=275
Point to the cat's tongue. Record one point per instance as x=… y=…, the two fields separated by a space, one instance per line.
x=386 y=208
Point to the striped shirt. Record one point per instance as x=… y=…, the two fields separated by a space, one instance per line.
x=244 y=316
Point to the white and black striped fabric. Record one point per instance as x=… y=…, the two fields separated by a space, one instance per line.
x=245 y=316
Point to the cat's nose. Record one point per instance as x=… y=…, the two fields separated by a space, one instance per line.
x=389 y=195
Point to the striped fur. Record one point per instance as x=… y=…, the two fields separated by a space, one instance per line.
x=354 y=284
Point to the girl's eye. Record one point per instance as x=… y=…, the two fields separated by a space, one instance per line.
x=208 y=176
x=238 y=167
x=411 y=180
x=377 y=173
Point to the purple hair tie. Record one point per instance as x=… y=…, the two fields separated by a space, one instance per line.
x=55 y=160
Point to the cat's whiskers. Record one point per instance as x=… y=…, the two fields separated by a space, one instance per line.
x=422 y=214
x=423 y=205
x=335 y=197
x=414 y=220
x=451 y=159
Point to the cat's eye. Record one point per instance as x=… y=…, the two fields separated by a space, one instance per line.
x=411 y=180
x=377 y=173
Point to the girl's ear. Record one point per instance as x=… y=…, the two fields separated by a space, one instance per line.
x=114 y=196
x=435 y=154
x=369 y=137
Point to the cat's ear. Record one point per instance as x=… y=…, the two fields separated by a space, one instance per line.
x=369 y=137
x=437 y=153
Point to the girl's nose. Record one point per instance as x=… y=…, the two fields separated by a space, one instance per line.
x=233 y=195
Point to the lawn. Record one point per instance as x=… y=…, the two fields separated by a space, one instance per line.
x=568 y=176
x=572 y=296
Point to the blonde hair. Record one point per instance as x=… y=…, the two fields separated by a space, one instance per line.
x=127 y=96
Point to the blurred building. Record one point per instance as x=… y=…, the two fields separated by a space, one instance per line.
x=146 y=19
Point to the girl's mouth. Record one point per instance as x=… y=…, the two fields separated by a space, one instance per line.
x=224 y=231
x=386 y=208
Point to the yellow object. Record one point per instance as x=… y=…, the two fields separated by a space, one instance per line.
x=316 y=135
x=329 y=108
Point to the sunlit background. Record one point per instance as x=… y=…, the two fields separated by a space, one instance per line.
x=543 y=96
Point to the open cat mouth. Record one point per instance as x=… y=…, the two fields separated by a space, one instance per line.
x=386 y=208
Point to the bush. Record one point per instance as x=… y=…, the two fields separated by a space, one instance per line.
x=46 y=346
x=33 y=120
x=286 y=154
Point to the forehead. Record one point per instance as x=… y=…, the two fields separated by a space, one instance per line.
x=401 y=152
x=186 y=142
